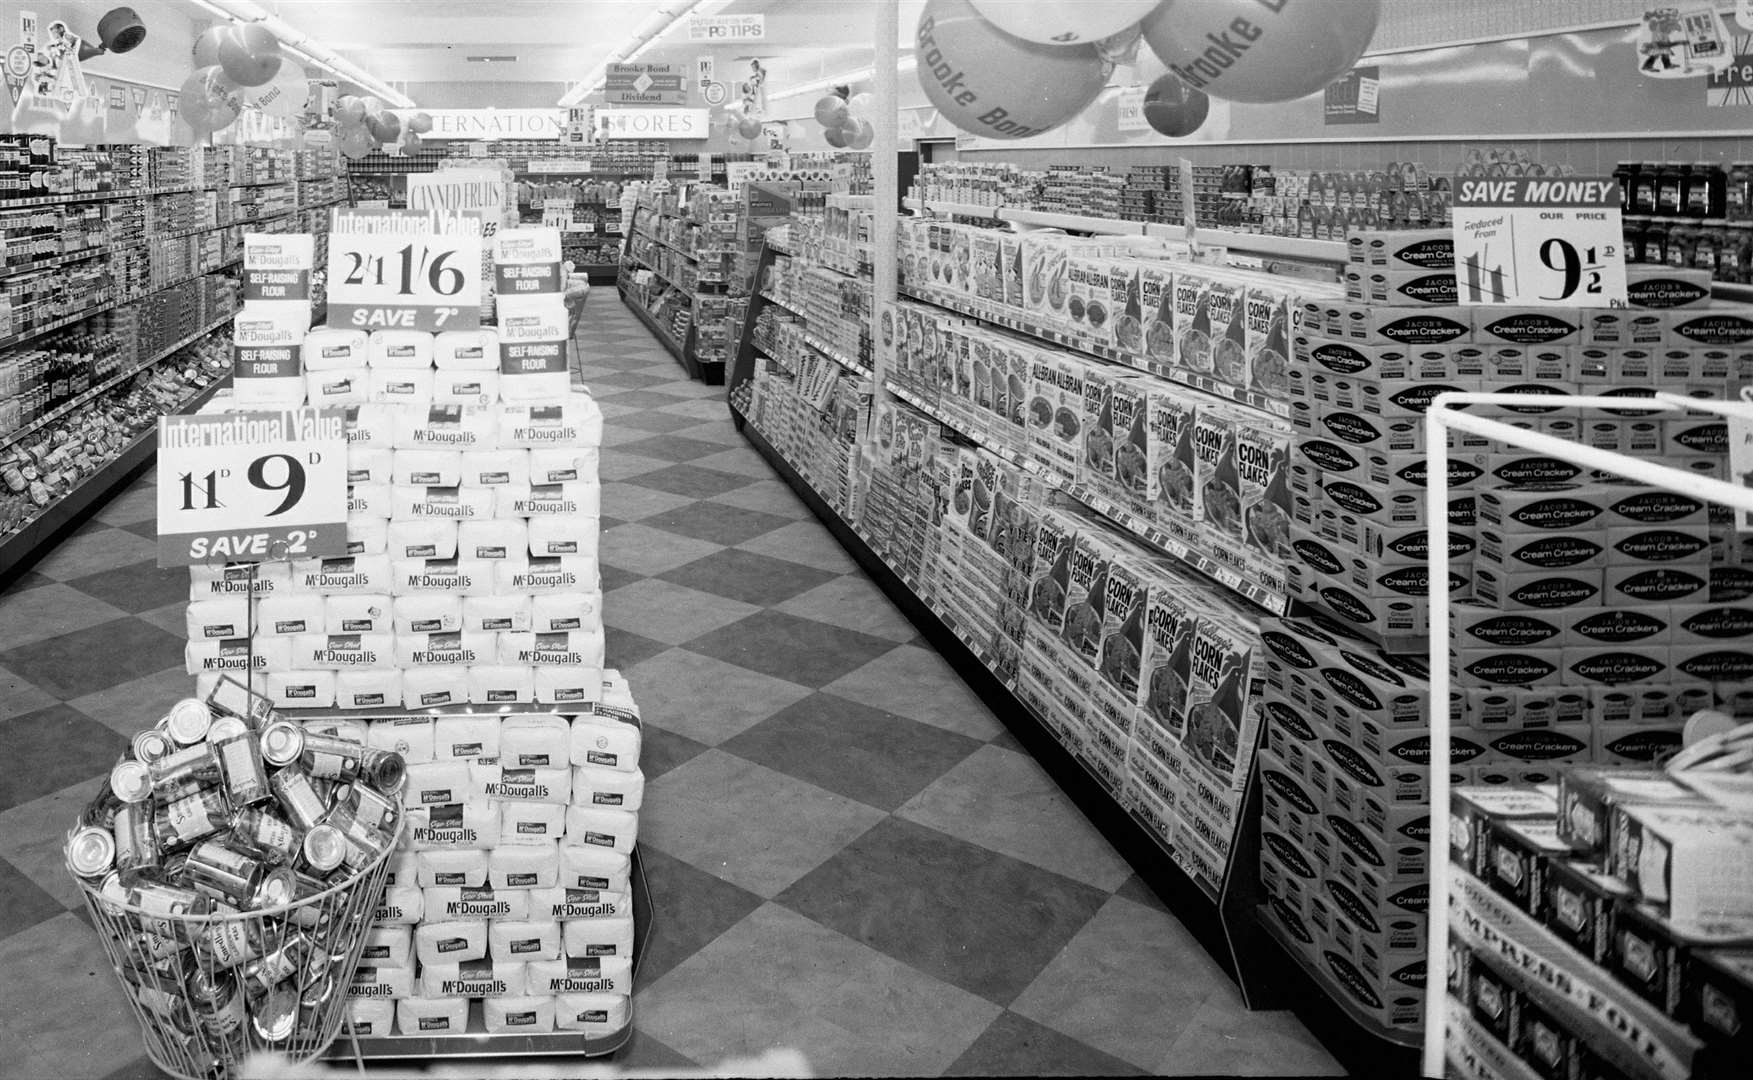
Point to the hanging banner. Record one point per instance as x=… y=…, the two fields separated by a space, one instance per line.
x=724 y=29
x=405 y=270
x=1536 y=241
x=645 y=84
x=491 y=123
x=654 y=123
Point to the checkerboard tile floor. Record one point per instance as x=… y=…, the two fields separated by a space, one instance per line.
x=848 y=856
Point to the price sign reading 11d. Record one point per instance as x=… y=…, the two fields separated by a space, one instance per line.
x=1539 y=241
x=399 y=270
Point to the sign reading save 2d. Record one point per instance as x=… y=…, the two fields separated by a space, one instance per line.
x=646 y=84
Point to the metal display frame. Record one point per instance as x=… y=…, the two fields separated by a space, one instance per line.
x=1445 y=414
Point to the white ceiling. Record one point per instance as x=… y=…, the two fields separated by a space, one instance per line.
x=554 y=42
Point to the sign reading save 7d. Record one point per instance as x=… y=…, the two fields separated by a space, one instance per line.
x=646 y=84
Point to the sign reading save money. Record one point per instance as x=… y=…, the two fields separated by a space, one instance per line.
x=1539 y=241
x=405 y=269
x=252 y=486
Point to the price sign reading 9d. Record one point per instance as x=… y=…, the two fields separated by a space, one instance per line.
x=405 y=270
x=252 y=487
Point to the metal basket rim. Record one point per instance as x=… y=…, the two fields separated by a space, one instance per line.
x=390 y=849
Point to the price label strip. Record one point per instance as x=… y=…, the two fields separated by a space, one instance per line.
x=252 y=486
x=1539 y=241
x=397 y=270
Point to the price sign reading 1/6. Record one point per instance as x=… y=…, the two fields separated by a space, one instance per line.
x=1539 y=241
x=401 y=270
x=252 y=487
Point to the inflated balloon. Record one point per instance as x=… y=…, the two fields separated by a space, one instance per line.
x=282 y=96
x=1243 y=50
x=373 y=104
x=1173 y=108
x=862 y=136
x=836 y=137
x=412 y=142
x=206 y=52
x=420 y=123
x=356 y=143
x=749 y=127
x=1064 y=22
x=208 y=87
x=383 y=126
x=860 y=105
x=989 y=83
x=831 y=110
x=251 y=56
x=349 y=111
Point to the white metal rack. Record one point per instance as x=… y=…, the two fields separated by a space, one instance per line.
x=1443 y=415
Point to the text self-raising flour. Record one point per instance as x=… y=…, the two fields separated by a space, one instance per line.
x=400 y=349
x=409 y=736
x=267 y=356
x=523 y=866
x=427 y=613
x=422 y=539
x=362 y=613
x=496 y=613
x=532 y=349
x=462 y=869
x=344 y=386
x=369 y=690
x=499 y=684
x=334 y=349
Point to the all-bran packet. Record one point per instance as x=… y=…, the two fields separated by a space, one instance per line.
x=1220 y=716
x=1171 y=623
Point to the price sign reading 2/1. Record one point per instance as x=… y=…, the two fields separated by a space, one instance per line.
x=405 y=271
x=252 y=487
x=1539 y=241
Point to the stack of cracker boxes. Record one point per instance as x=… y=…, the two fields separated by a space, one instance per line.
x=1592 y=616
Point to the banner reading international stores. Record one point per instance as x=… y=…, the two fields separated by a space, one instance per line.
x=1539 y=241
x=252 y=486
x=405 y=269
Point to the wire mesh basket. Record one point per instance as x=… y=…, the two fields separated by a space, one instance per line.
x=210 y=989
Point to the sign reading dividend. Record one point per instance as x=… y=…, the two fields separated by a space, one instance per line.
x=252 y=487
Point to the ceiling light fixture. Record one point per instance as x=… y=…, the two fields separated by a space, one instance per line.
x=306 y=47
x=666 y=17
x=845 y=78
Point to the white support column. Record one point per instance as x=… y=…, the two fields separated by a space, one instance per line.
x=886 y=121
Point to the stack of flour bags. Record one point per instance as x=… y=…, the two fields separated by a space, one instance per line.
x=471 y=573
x=513 y=887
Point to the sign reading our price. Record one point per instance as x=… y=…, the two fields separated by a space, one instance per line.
x=405 y=270
x=252 y=486
x=1539 y=241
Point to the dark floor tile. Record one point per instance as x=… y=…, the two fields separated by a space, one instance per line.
x=22 y=903
x=694 y=481
x=30 y=579
x=613 y=577
x=96 y=658
x=644 y=1055
x=1008 y=741
x=678 y=448
x=1135 y=889
x=137 y=588
x=660 y=423
x=141 y=1068
x=623 y=649
x=748 y=576
x=706 y=520
x=52 y=748
x=661 y=750
x=878 y=758
x=641 y=399
x=690 y=908
x=1017 y=1046
x=629 y=380
x=784 y=646
x=147 y=528
x=976 y=919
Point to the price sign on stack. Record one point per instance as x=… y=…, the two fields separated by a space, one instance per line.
x=252 y=487
x=414 y=274
x=1539 y=241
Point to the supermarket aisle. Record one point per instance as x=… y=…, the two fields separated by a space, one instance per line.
x=847 y=854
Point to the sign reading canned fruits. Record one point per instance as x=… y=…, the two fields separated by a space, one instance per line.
x=395 y=270
x=1539 y=241
x=252 y=487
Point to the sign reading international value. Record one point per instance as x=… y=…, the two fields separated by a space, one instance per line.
x=252 y=487
x=405 y=270
x=1539 y=241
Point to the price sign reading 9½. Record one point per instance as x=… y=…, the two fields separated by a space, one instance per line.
x=1547 y=241
x=405 y=271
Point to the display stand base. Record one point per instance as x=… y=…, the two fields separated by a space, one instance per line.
x=478 y=1042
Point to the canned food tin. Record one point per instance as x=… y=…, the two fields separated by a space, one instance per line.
x=226 y=727
x=309 y=916
x=370 y=808
x=163 y=903
x=229 y=943
x=277 y=889
x=136 y=841
x=150 y=745
x=240 y=759
x=364 y=843
x=190 y=764
x=261 y=830
x=224 y=869
x=303 y=806
x=329 y=757
x=188 y=721
x=101 y=811
x=385 y=770
x=282 y=743
x=160 y=1002
x=190 y=818
x=287 y=961
x=325 y=848
x=274 y=1017
x=217 y=1000
x=232 y=698
x=131 y=781
x=91 y=851
x=165 y=794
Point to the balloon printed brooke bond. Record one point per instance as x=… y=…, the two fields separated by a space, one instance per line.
x=989 y=83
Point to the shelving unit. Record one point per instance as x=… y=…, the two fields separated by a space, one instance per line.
x=712 y=373
x=100 y=308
